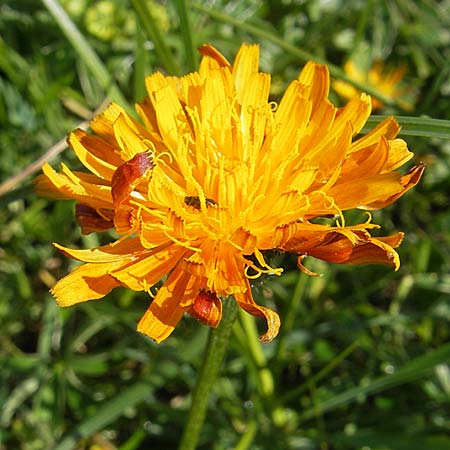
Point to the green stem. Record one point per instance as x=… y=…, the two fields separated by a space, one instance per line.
x=266 y=383
x=153 y=31
x=186 y=32
x=247 y=438
x=266 y=380
x=215 y=352
x=289 y=317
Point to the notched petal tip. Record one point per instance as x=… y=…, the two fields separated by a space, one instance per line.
x=413 y=176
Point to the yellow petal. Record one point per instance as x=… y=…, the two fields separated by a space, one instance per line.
x=103 y=123
x=120 y=251
x=96 y=154
x=317 y=78
x=388 y=128
x=79 y=186
x=208 y=51
x=148 y=268
x=244 y=67
x=130 y=139
x=87 y=282
x=356 y=111
x=170 y=117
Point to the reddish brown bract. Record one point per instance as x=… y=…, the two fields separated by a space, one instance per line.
x=91 y=220
x=129 y=175
x=207 y=308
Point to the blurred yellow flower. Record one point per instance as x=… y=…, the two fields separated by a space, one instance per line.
x=385 y=81
x=215 y=176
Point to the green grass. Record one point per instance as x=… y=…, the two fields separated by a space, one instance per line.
x=362 y=357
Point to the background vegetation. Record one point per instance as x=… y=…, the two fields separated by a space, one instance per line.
x=362 y=361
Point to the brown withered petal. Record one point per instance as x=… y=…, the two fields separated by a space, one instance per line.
x=91 y=220
x=129 y=175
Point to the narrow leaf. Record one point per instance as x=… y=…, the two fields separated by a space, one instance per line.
x=412 y=371
x=106 y=414
x=186 y=33
x=302 y=55
x=84 y=50
x=154 y=33
x=415 y=126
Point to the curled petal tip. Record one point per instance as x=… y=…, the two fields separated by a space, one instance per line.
x=273 y=326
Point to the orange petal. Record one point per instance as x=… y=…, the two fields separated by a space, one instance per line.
x=407 y=182
x=168 y=306
x=368 y=192
x=247 y=303
x=376 y=252
x=211 y=52
x=337 y=248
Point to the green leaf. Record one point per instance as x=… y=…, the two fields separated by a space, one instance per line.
x=92 y=364
x=412 y=371
x=415 y=126
x=85 y=51
x=151 y=27
x=107 y=413
x=186 y=33
x=299 y=53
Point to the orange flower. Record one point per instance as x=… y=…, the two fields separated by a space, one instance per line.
x=386 y=82
x=215 y=176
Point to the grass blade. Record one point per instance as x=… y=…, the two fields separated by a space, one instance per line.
x=106 y=414
x=415 y=126
x=411 y=371
x=302 y=55
x=85 y=51
x=186 y=32
x=151 y=27
x=140 y=64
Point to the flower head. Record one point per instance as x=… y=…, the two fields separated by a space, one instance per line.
x=215 y=176
x=385 y=81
